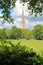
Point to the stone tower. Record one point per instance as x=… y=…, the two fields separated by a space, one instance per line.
x=22 y=23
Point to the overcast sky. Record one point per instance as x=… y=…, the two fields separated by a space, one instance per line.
x=16 y=14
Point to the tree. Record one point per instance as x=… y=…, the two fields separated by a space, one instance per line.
x=5 y=5
x=38 y=32
x=14 y=33
x=2 y=34
x=26 y=34
x=19 y=34
x=36 y=6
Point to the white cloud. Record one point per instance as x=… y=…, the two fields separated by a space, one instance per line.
x=17 y=11
x=1 y=15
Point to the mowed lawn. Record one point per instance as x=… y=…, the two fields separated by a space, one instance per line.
x=36 y=45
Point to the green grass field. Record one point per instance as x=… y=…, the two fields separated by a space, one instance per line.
x=36 y=45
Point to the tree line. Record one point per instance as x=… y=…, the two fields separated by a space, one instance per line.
x=17 y=33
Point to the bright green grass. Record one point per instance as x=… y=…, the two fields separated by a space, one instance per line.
x=36 y=45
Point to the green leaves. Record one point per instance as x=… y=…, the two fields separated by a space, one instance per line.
x=11 y=54
x=38 y=32
x=5 y=5
x=36 y=6
x=24 y=1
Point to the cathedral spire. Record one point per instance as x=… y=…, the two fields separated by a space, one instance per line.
x=22 y=23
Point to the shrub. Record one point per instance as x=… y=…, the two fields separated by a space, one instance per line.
x=18 y=55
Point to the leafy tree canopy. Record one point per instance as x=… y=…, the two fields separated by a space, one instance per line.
x=38 y=32
x=5 y=5
x=36 y=6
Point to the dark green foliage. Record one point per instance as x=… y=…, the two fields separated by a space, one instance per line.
x=18 y=55
x=16 y=33
x=38 y=32
x=36 y=6
x=26 y=34
x=23 y=1
x=5 y=5
x=2 y=34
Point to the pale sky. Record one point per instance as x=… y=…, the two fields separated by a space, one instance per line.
x=16 y=14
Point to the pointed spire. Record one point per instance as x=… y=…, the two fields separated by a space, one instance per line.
x=22 y=23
